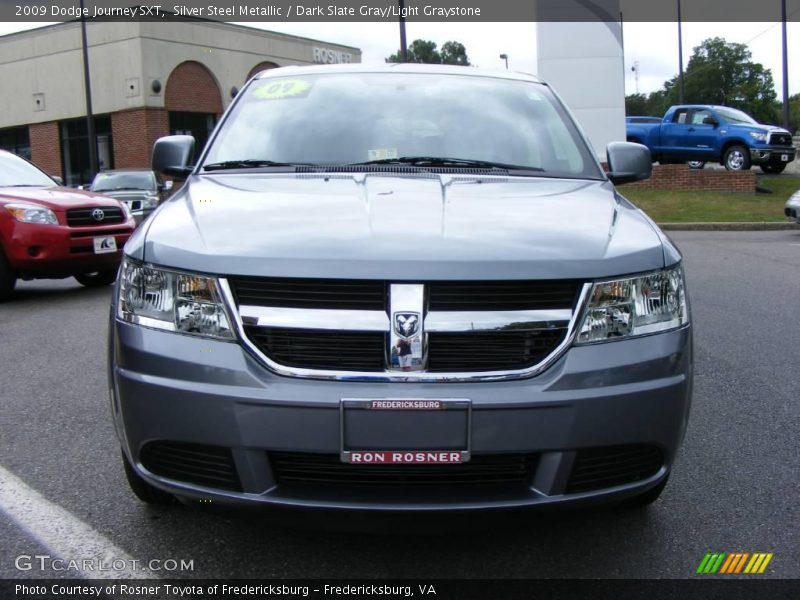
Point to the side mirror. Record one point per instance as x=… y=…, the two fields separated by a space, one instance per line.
x=710 y=121
x=628 y=162
x=57 y=179
x=172 y=155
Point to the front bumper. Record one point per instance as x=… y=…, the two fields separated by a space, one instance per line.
x=176 y=388
x=771 y=154
x=61 y=251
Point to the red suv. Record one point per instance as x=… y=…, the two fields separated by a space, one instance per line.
x=52 y=232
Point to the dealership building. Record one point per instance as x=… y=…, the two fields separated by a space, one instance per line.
x=148 y=79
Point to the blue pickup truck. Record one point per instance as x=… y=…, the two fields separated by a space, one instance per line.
x=702 y=133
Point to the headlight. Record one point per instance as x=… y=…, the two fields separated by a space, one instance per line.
x=635 y=306
x=172 y=301
x=759 y=137
x=150 y=202
x=30 y=213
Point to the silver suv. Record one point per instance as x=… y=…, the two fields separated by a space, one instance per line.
x=404 y=288
x=138 y=188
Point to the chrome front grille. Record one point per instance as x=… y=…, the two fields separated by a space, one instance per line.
x=371 y=329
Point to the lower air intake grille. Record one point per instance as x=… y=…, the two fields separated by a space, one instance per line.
x=209 y=466
x=312 y=349
x=493 y=351
x=598 y=468
x=327 y=469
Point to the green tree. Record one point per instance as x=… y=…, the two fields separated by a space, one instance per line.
x=425 y=51
x=454 y=53
x=794 y=112
x=723 y=73
x=636 y=105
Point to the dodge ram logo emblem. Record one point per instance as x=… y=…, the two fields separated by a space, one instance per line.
x=98 y=214
x=406 y=324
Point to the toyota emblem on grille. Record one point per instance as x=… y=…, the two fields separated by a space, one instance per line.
x=98 y=214
x=406 y=324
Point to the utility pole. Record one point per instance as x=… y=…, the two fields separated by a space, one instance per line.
x=785 y=68
x=680 y=56
x=403 y=46
x=88 y=93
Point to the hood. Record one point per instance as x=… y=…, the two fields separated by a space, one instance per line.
x=744 y=128
x=55 y=198
x=127 y=194
x=399 y=227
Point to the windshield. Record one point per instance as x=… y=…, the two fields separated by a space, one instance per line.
x=352 y=118
x=16 y=172
x=735 y=116
x=130 y=180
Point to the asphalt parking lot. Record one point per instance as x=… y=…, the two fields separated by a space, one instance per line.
x=734 y=488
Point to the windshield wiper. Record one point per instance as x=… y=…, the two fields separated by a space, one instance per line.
x=249 y=163
x=121 y=189
x=442 y=161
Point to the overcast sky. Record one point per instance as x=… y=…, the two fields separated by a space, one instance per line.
x=653 y=45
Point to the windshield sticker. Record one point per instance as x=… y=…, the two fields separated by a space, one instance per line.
x=285 y=88
x=382 y=154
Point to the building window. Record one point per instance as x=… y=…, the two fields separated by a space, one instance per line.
x=198 y=125
x=16 y=140
x=75 y=153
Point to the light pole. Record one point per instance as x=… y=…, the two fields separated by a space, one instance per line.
x=785 y=69
x=680 y=56
x=403 y=46
x=505 y=58
x=88 y=92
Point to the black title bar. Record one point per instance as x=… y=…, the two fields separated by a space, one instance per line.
x=414 y=10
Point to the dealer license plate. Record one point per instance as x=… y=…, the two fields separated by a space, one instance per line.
x=104 y=245
x=381 y=431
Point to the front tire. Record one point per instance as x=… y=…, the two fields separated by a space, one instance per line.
x=142 y=490
x=97 y=279
x=737 y=158
x=773 y=168
x=8 y=278
x=696 y=164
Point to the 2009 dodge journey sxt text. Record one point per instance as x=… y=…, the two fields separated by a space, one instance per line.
x=402 y=287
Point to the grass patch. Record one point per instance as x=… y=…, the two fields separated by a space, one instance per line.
x=667 y=206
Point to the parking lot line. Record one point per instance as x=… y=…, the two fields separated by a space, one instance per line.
x=80 y=549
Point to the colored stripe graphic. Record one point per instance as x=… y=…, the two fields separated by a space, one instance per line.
x=703 y=563
x=728 y=565
x=758 y=563
x=734 y=562
x=766 y=562
x=711 y=562
x=741 y=562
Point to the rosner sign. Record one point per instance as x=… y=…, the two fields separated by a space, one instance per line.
x=326 y=56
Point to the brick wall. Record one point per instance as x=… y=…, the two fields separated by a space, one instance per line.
x=681 y=177
x=134 y=132
x=46 y=147
x=192 y=88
